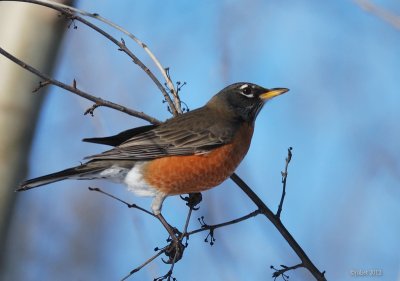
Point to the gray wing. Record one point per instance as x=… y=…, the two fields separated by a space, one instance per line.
x=195 y=132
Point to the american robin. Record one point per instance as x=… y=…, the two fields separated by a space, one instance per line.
x=189 y=153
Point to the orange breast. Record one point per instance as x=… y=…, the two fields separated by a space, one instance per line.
x=195 y=173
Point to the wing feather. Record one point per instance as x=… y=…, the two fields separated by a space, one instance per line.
x=195 y=132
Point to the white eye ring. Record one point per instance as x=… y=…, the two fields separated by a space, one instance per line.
x=242 y=92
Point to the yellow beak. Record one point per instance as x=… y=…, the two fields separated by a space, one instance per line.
x=273 y=93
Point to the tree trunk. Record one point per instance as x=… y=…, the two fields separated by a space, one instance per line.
x=33 y=34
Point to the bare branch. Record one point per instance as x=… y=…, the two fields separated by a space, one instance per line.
x=167 y=276
x=280 y=227
x=91 y=109
x=192 y=200
x=160 y=252
x=206 y=227
x=283 y=270
x=42 y=84
x=129 y=205
x=100 y=102
x=284 y=177
x=68 y=11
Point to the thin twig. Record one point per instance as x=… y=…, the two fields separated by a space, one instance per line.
x=184 y=232
x=122 y=47
x=143 y=264
x=283 y=270
x=192 y=200
x=65 y=9
x=78 y=92
x=167 y=276
x=129 y=205
x=215 y=226
x=41 y=85
x=284 y=178
x=91 y=109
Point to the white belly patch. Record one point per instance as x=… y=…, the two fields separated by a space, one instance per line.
x=114 y=173
x=137 y=184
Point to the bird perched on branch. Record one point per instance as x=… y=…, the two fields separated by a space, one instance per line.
x=189 y=153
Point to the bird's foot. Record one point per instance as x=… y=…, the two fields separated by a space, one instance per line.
x=192 y=200
x=174 y=251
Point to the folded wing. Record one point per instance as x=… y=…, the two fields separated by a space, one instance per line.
x=182 y=135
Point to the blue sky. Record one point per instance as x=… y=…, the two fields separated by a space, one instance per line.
x=341 y=116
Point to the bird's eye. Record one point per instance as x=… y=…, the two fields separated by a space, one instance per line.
x=247 y=91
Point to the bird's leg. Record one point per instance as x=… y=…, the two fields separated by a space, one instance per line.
x=156 y=206
x=172 y=231
x=174 y=250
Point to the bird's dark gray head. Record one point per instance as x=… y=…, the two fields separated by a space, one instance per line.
x=244 y=99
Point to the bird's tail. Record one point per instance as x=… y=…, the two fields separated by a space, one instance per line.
x=84 y=171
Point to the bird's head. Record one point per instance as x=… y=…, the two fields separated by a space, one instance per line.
x=244 y=100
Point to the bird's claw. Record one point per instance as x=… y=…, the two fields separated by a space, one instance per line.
x=192 y=200
x=174 y=251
